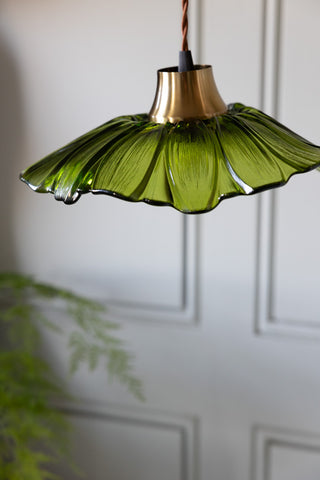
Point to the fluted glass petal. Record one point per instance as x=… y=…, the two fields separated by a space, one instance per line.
x=190 y=166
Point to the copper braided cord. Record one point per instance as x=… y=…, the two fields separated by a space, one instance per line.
x=184 y=25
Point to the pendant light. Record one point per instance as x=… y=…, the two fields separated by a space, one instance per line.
x=190 y=152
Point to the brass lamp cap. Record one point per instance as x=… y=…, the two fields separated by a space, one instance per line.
x=186 y=96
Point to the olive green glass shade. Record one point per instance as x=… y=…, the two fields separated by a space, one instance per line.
x=191 y=166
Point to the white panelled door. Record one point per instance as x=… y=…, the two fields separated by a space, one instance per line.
x=221 y=310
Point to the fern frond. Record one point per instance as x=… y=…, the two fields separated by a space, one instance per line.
x=27 y=382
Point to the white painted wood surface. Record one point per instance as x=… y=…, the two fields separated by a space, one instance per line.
x=221 y=310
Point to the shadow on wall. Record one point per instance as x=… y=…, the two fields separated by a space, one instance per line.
x=11 y=142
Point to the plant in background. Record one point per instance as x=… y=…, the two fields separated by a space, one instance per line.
x=33 y=434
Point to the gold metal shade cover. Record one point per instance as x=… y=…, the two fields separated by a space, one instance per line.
x=186 y=96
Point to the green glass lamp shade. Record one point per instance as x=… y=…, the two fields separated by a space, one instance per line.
x=190 y=165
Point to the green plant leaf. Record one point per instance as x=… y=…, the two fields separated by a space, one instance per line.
x=33 y=434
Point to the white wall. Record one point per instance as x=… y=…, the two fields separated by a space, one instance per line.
x=222 y=311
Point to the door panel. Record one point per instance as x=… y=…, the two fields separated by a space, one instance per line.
x=284 y=454
x=124 y=444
